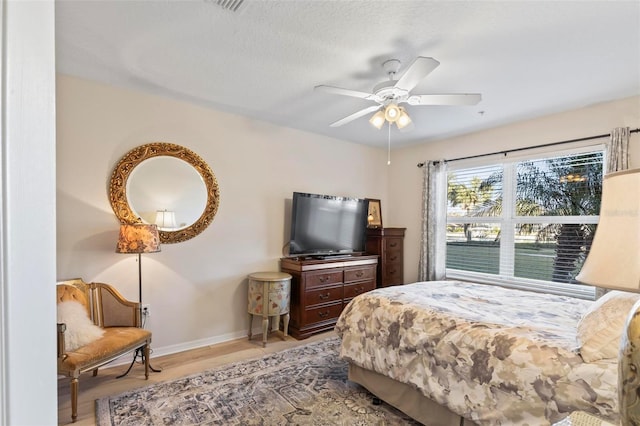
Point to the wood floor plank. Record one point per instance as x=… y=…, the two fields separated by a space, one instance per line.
x=173 y=366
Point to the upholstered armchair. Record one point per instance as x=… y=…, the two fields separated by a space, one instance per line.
x=95 y=326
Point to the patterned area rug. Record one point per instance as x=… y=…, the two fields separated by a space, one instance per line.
x=306 y=385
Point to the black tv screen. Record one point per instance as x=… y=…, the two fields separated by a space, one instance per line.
x=327 y=224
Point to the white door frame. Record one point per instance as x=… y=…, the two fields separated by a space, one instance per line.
x=28 y=390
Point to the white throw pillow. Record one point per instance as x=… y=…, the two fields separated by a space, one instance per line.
x=80 y=329
x=600 y=328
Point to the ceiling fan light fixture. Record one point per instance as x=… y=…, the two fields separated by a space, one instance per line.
x=388 y=94
x=403 y=119
x=377 y=119
x=391 y=112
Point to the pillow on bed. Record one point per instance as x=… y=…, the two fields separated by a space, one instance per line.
x=600 y=328
x=80 y=329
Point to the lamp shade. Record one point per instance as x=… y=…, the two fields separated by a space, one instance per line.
x=403 y=120
x=392 y=112
x=614 y=258
x=377 y=120
x=138 y=238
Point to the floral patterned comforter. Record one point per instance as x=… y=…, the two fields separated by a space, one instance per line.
x=493 y=355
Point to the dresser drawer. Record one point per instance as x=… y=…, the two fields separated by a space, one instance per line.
x=393 y=274
x=393 y=244
x=352 y=290
x=322 y=278
x=321 y=288
x=393 y=256
x=357 y=274
x=322 y=313
x=323 y=295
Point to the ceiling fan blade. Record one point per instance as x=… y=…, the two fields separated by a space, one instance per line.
x=355 y=115
x=418 y=70
x=344 y=92
x=453 y=99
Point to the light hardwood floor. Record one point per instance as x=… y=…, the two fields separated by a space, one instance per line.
x=173 y=366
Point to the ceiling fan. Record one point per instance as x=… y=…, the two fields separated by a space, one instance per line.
x=390 y=94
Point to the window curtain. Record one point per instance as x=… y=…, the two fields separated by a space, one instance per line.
x=618 y=150
x=617 y=159
x=433 y=244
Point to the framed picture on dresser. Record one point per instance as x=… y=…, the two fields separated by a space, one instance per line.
x=374 y=217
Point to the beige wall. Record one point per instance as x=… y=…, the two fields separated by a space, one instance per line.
x=405 y=179
x=196 y=289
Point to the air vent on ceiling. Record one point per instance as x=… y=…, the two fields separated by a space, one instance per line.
x=232 y=5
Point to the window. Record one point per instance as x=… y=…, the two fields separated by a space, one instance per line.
x=525 y=223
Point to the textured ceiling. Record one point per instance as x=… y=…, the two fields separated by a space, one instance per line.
x=526 y=58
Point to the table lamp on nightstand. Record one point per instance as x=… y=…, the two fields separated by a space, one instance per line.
x=614 y=263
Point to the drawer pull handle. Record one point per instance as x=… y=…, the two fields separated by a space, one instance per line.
x=323 y=279
x=359 y=274
x=393 y=244
x=323 y=314
x=393 y=258
x=324 y=296
x=392 y=272
x=358 y=290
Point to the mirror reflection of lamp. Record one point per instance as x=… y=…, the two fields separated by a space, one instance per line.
x=166 y=219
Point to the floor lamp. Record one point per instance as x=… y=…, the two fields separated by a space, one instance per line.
x=614 y=263
x=138 y=238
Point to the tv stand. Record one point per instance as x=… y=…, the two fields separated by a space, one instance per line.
x=333 y=256
x=321 y=288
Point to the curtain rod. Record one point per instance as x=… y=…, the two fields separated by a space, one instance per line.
x=508 y=151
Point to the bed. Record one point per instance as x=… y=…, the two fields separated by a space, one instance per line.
x=452 y=353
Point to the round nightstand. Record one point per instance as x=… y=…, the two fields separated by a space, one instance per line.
x=269 y=294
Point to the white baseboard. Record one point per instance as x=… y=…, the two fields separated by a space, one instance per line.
x=195 y=344
x=186 y=346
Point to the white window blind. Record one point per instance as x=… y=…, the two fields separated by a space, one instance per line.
x=525 y=223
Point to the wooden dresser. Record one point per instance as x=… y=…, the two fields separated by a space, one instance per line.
x=388 y=243
x=320 y=289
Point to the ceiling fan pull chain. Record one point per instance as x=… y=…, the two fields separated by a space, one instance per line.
x=389 y=145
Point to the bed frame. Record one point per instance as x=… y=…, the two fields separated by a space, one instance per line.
x=406 y=398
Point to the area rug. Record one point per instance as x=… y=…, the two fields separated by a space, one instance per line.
x=306 y=385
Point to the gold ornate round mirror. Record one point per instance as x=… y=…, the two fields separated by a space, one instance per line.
x=165 y=184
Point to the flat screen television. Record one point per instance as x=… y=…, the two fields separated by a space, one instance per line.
x=327 y=225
